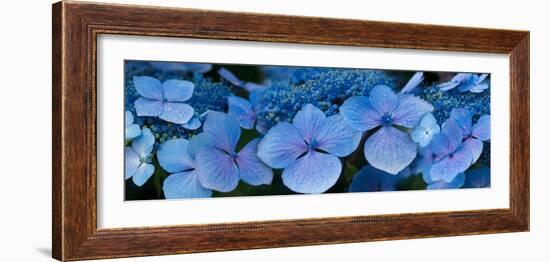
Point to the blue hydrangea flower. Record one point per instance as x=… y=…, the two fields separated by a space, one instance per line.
x=177 y=156
x=457 y=182
x=137 y=158
x=478 y=178
x=413 y=83
x=467 y=82
x=370 y=179
x=131 y=130
x=423 y=133
x=473 y=135
x=164 y=100
x=308 y=149
x=389 y=148
x=241 y=109
x=218 y=165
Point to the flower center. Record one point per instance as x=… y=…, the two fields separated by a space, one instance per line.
x=146 y=159
x=164 y=100
x=313 y=144
x=386 y=120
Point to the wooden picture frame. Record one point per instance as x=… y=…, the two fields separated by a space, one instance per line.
x=76 y=26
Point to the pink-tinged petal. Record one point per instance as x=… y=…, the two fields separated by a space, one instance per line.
x=410 y=111
x=241 y=109
x=148 y=87
x=390 y=150
x=449 y=167
x=336 y=137
x=223 y=129
x=143 y=173
x=359 y=114
x=251 y=169
x=174 y=157
x=178 y=113
x=184 y=185
x=216 y=170
x=475 y=147
x=281 y=146
x=308 y=121
x=482 y=129
x=148 y=107
x=383 y=99
x=178 y=90
x=131 y=162
x=313 y=173
x=463 y=117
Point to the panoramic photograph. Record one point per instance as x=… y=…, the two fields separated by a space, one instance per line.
x=195 y=130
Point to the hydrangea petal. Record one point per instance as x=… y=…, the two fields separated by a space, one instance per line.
x=463 y=117
x=184 y=185
x=478 y=178
x=223 y=130
x=193 y=124
x=143 y=145
x=383 y=99
x=482 y=129
x=174 y=157
x=336 y=137
x=457 y=182
x=251 y=169
x=452 y=131
x=229 y=76
x=143 y=173
x=313 y=173
x=440 y=145
x=178 y=113
x=308 y=121
x=474 y=146
x=242 y=111
x=216 y=170
x=390 y=150
x=148 y=87
x=132 y=131
x=410 y=111
x=178 y=90
x=128 y=118
x=370 y=179
x=450 y=166
x=359 y=114
x=415 y=80
x=198 y=143
x=131 y=162
x=447 y=86
x=479 y=87
x=281 y=146
x=148 y=107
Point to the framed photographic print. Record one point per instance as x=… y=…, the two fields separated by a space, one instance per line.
x=196 y=131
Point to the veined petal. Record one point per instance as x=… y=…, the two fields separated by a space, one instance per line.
x=440 y=145
x=223 y=130
x=131 y=162
x=390 y=150
x=216 y=170
x=314 y=173
x=178 y=90
x=478 y=178
x=449 y=167
x=148 y=107
x=383 y=99
x=452 y=131
x=143 y=173
x=308 y=121
x=463 y=117
x=148 y=87
x=482 y=129
x=336 y=137
x=174 y=157
x=199 y=142
x=184 y=185
x=251 y=169
x=359 y=114
x=241 y=110
x=410 y=111
x=474 y=146
x=281 y=146
x=143 y=145
x=178 y=113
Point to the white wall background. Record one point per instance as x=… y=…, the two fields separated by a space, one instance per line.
x=25 y=129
